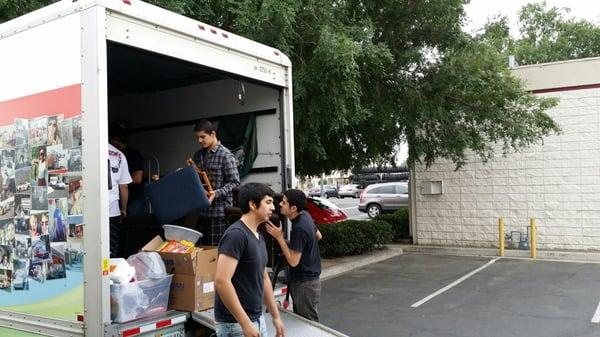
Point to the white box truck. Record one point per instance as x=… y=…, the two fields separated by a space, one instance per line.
x=66 y=72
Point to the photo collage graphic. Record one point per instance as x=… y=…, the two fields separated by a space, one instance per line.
x=41 y=199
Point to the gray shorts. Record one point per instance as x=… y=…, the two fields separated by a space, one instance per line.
x=306 y=296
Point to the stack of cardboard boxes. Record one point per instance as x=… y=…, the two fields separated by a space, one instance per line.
x=192 y=288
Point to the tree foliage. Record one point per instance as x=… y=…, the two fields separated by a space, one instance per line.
x=471 y=102
x=546 y=35
x=12 y=8
x=369 y=74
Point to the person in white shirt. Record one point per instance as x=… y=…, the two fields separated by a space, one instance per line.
x=118 y=194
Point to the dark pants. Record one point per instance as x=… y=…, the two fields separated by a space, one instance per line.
x=212 y=229
x=136 y=207
x=115 y=226
x=306 y=296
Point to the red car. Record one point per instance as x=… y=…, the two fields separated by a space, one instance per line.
x=323 y=211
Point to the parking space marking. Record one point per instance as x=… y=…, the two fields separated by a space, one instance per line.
x=596 y=318
x=453 y=284
x=345 y=208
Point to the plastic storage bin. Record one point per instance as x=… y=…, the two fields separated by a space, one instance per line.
x=139 y=299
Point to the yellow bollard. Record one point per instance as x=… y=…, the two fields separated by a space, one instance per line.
x=501 y=236
x=533 y=239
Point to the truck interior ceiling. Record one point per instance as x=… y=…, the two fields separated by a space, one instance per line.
x=160 y=98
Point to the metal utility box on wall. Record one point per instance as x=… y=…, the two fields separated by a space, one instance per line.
x=432 y=187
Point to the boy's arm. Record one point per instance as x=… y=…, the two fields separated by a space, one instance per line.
x=319 y=235
x=123 y=198
x=231 y=177
x=269 y=300
x=293 y=257
x=226 y=266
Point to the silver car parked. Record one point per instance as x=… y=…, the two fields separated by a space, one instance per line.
x=384 y=197
x=328 y=191
x=350 y=190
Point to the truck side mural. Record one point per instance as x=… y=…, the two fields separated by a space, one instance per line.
x=41 y=225
x=41 y=220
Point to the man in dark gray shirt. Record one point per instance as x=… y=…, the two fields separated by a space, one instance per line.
x=302 y=254
x=241 y=280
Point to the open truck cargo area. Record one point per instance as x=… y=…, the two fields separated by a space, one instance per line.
x=161 y=98
x=72 y=69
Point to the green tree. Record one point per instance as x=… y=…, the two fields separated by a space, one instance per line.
x=13 y=8
x=546 y=35
x=369 y=74
x=470 y=100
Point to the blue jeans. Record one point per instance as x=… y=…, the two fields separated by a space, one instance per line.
x=235 y=329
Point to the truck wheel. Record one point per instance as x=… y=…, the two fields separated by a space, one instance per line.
x=326 y=196
x=373 y=210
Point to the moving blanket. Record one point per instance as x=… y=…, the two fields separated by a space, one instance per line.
x=176 y=195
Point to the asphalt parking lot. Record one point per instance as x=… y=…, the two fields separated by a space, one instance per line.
x=507 y=297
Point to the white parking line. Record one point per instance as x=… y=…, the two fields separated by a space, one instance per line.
x=345 y=208
x=417 y=304
x=596 y=318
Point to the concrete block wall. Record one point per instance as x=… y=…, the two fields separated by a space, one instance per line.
x=557 y=182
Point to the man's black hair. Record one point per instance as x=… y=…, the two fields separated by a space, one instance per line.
x=254 y=192
x=296 y=198
x=206 y=126
x=116 y=130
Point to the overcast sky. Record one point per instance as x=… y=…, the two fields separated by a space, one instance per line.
x=478 y=11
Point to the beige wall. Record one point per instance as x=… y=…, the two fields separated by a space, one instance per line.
x=557 y=182
x=560 y=74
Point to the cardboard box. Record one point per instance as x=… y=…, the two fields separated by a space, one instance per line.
x=192 y=293
x=192 y=288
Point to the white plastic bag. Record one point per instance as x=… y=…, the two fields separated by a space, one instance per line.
x=120 y=271
x=148 y=265
x=128 y=302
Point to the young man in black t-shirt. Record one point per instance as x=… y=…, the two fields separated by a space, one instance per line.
x=302 y=254
x=241 y=280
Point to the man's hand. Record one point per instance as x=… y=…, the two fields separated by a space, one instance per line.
x=276 y=232
x=250 y=330
x=211 y=197
x=279 y=328
x=293 y=257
